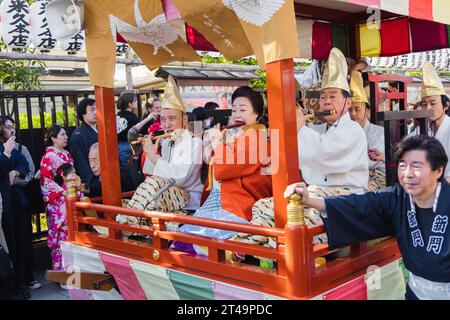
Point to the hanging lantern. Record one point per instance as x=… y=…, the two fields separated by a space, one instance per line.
x=1 y=23
x=40 y=32
x=65 y=18
x=122 y=46
x=16 y=23
x=74 y=44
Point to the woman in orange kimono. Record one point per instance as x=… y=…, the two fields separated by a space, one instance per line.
x=238 y=174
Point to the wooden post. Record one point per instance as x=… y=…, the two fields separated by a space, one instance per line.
x=298 y=284
x=108 y=147
x=128 y=72
x=282 y=120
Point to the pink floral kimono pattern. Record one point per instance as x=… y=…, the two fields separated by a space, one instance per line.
x=55 y=200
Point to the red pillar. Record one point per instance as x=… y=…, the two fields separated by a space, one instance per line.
x=282 y=111
x=108 y=147
x=298 y=268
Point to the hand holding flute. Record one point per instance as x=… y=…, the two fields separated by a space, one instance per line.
x=234 y=125
x=150 y=147
x=142 y=139
x=217 y=134
x=316 y=113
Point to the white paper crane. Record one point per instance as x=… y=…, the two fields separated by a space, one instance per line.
x=157 y=32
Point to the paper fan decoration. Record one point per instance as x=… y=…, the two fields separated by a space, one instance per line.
x=256 y=12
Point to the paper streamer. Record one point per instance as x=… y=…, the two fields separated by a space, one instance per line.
x=354 y=290
x=224 y=291
x=126 y=280
x=155 y=281
x=190 y=287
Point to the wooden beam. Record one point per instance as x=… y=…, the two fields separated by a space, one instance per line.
x=55 y=57
x=403 y=115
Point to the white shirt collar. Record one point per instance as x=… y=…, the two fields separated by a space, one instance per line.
x=445 y=125
x=345 y=118
x=436 y=198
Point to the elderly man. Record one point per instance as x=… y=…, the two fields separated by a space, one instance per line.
x=94 y=187
x=177 y=167
x=415 y=211
x=334 y=154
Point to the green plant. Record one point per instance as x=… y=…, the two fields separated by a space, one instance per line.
x=254 y=83
x=21 y=74
x=48 y=120
x=419 y=73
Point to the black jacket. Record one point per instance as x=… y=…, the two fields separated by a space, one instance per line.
x=11 y=196
x=95 y=185
x=80 y=141
x=15 y=162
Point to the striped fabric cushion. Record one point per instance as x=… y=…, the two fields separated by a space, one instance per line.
x=173 y=199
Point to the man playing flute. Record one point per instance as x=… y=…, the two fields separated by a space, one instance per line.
x=180 y=159
x=333 y=155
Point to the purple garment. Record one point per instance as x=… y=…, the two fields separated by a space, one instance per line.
x=182 y=246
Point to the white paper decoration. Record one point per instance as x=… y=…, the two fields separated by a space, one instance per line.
x=16 y=23
x=1 y=24
x=74 y=44
x=40 y=32
x=65 y=18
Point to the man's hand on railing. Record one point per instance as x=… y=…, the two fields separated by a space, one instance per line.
x=73 y=181
x=301 y=189
x=297 y=188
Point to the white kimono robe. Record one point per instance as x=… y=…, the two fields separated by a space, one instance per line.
x=336 y=157
x=443 y=136
x=182 y=162
x=375 y=140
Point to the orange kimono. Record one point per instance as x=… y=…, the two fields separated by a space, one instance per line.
x=237 y=166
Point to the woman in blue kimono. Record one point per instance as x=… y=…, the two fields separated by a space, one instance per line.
x=416 y=211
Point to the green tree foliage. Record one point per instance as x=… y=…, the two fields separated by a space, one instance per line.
x=20 y=74
x=254 y=83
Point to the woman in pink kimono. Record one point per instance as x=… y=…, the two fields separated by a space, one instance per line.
x=54 y=195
